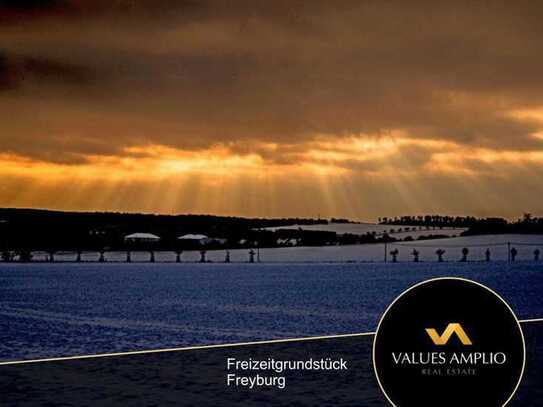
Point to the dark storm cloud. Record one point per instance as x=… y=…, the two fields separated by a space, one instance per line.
x=194 y=74
x=17 y=70
x=29 y=5
x=22 y=11
x=12 y=11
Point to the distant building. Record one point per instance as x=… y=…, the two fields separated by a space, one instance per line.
x=196 y=238
x=141 y=238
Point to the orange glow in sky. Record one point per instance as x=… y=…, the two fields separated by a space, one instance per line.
x=332 y=175
x=281 y=109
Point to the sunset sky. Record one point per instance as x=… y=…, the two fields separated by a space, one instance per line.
x=272 y=108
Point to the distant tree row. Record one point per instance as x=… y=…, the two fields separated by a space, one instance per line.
x=430 y=220
x=527 y=224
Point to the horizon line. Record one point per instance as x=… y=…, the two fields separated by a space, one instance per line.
x=254 y=217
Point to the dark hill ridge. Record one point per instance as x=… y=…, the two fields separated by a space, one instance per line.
x=43 y=229
x=35 y=229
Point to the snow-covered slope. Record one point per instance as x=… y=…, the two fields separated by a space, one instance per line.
x=398 y=231
x=477 y=245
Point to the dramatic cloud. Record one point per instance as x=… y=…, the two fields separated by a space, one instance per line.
x=155 y=91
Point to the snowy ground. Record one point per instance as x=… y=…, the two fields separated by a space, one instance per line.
x=497 y=244
x=363 y=228
x=73 y=309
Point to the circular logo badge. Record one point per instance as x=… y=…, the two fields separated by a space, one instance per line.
x=449 y=342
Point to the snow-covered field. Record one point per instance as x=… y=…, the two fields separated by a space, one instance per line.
x=398 y=231
x=477 y=245
x=71 y=309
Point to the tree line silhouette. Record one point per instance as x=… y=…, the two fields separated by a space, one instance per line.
x=30 y=229
x=24 y=230
x=527 y=224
